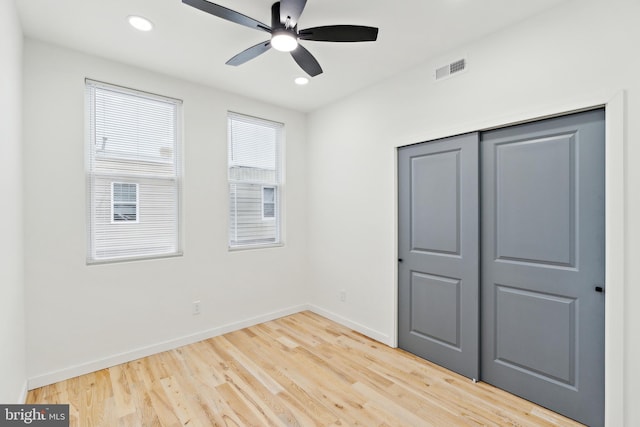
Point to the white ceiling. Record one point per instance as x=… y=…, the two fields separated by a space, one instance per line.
x=193 y=45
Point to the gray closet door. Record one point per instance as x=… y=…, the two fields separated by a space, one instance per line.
x=543 y=263
x=438 y=250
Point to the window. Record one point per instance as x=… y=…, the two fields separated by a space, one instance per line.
x=268 y=203
x=133 y=174
x=254 y=181
x=124 y=202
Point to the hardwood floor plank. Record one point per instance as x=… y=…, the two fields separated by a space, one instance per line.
x=395 y=408
x=121 y=386
x=213 y=409
x=245 y=413
x=144 y=410
x=162 y=406
x=197 y=362
x=294 y=393
x=258 y=396
x=252 y=368
x=300 y=370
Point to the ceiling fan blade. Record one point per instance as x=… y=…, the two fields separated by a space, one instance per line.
x=228 y=14
x=306 y=61
x=249 y=54
x=340 y=33
x=291 y=9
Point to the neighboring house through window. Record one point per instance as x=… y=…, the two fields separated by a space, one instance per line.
x=133 y=174
x=124 y=202
x=268 y=203
x=255 y=174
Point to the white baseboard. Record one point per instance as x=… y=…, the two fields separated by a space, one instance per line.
x=371 y=333
x=23 y=394
x=116 y=359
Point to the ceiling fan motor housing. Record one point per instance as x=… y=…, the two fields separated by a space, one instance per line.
x=278 y=24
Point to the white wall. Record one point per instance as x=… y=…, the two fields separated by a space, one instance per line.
x=12 y=332
x=81 y=318
x=580 y=53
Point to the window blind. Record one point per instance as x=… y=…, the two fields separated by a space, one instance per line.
x=254 y=165
x=133 y=174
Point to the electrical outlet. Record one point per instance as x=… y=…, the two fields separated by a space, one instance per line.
x=343 y=295
x=196 y=308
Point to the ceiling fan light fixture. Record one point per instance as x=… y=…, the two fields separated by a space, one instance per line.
x=284 y=41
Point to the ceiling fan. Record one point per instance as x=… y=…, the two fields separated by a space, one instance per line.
x=285 y=34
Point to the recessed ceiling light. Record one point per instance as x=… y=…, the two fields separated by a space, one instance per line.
x=301 y=81
x=140 y=23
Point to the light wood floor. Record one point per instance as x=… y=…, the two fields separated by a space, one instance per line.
x=301 y=370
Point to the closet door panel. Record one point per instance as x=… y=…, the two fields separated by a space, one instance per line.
x=543 y=263
x=438 y=249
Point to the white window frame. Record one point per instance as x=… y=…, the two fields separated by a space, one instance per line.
x=277 y=184
x=274 y=203
x=145 y=174
x=114 y=203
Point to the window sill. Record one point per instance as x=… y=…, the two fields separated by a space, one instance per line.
x=254 y=247
x=131 y=259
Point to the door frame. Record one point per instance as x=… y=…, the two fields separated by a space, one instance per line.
x=615 y=105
